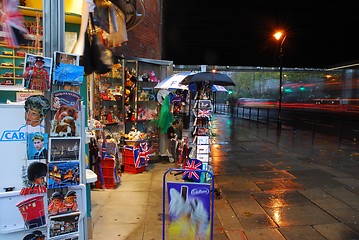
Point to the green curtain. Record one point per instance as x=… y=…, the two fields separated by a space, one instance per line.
x=165 y=117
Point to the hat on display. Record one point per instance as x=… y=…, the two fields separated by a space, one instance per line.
x=30 y=236
x=38 y=234
x=70 y=193
x=56 y=195
x=39 y=59
x=36 y=170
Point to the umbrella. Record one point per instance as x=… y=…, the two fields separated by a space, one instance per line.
x=173 y=82
x=214 y=78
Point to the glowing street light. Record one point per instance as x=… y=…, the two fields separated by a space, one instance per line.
x=279 y=36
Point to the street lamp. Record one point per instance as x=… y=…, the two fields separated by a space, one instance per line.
x=280 y=37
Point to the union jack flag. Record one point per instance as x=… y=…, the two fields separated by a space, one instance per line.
x=137 y=160
x=136 y=154
x=103 y=148
x=13 y=22
x=204 y=113
x=191 y=174
x=144 y=153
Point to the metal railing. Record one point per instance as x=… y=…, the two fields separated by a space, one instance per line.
x=344 y=125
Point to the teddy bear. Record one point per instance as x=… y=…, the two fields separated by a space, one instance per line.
x=153 y=77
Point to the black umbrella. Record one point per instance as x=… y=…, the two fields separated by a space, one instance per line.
x=213 y=78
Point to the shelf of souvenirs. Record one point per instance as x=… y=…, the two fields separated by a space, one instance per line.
x=18 y=87
x=32 y=12
x=11 y=56
x=18 y=77
x=3 y=44
x=11 y=83
x=10 y=66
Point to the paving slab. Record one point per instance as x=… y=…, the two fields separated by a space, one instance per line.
x=281 y=198
x=118 y=231
x=227 y=216
x=336 y=231
x=278 y=185
x=299 y=215
x=301 y=233
x=263 y=234
x=271 y=175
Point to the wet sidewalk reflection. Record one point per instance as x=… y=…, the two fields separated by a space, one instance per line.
x=287 y=186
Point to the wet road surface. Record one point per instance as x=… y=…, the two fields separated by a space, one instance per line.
x=285 y=185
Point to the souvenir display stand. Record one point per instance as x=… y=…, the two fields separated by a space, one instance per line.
x=201 y=125
x=43 y=189
x=16 y=220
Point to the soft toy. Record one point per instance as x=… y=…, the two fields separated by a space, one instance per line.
x=129 y=112
x=153 y=77
x=143 y=96
x=145 y=77
x=130 y=85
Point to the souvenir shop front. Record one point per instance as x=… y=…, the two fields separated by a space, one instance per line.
x=124 y=110
x=57 y=113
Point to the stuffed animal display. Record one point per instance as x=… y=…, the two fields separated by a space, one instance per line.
x=130 y=85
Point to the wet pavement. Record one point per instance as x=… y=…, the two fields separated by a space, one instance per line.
x=284 y=186
x=289 y=186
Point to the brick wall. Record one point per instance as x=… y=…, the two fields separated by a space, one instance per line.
x=145 y=40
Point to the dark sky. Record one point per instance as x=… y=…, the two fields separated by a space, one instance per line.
x=240 y=33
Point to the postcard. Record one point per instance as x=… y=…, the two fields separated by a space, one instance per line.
x=63 y=225
x=37 y=146
x=67 y=70
x=63 y=174
x=37 y=72
x=65 y=149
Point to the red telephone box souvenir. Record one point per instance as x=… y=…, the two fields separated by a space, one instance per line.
x=32 y=211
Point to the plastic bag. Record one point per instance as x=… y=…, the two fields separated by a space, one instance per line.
x=97 y=58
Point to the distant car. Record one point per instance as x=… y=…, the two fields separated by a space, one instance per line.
x=7 y=64
x=255 y=102
x=7 y=53
x=7 y=82
x=8 y=74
